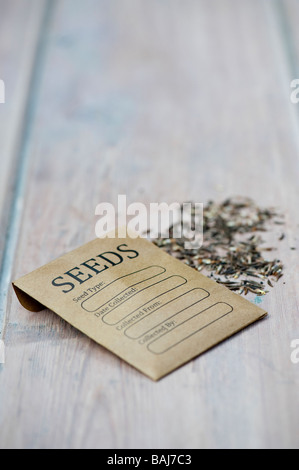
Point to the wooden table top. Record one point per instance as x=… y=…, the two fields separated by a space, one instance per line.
x=161 y=101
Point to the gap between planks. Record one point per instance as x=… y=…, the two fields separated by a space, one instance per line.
x=17 y=147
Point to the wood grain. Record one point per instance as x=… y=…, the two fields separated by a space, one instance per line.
x=19 y=30
x=161 y=101
x=19 y=53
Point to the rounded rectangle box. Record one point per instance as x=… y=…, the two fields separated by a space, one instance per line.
x=116 y=287
x=189 y=326
x=148 y=301
x=166 y=313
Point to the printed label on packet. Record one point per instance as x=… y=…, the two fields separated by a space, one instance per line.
x=131 y=297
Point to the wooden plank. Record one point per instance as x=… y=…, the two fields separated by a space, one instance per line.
x=287 y=14
x=161 y=101
x=20 y=25
x=19 y=29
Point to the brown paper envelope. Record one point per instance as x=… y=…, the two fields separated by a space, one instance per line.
x=131 y=297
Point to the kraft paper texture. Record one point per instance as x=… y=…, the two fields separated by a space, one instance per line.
x=134 y=299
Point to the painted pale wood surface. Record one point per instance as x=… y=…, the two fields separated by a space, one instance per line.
x=19 y=27
x=161 y=101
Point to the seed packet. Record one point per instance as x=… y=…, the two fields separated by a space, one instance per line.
x=143 y=305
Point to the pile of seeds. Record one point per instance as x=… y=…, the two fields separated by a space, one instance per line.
x=232 y=248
